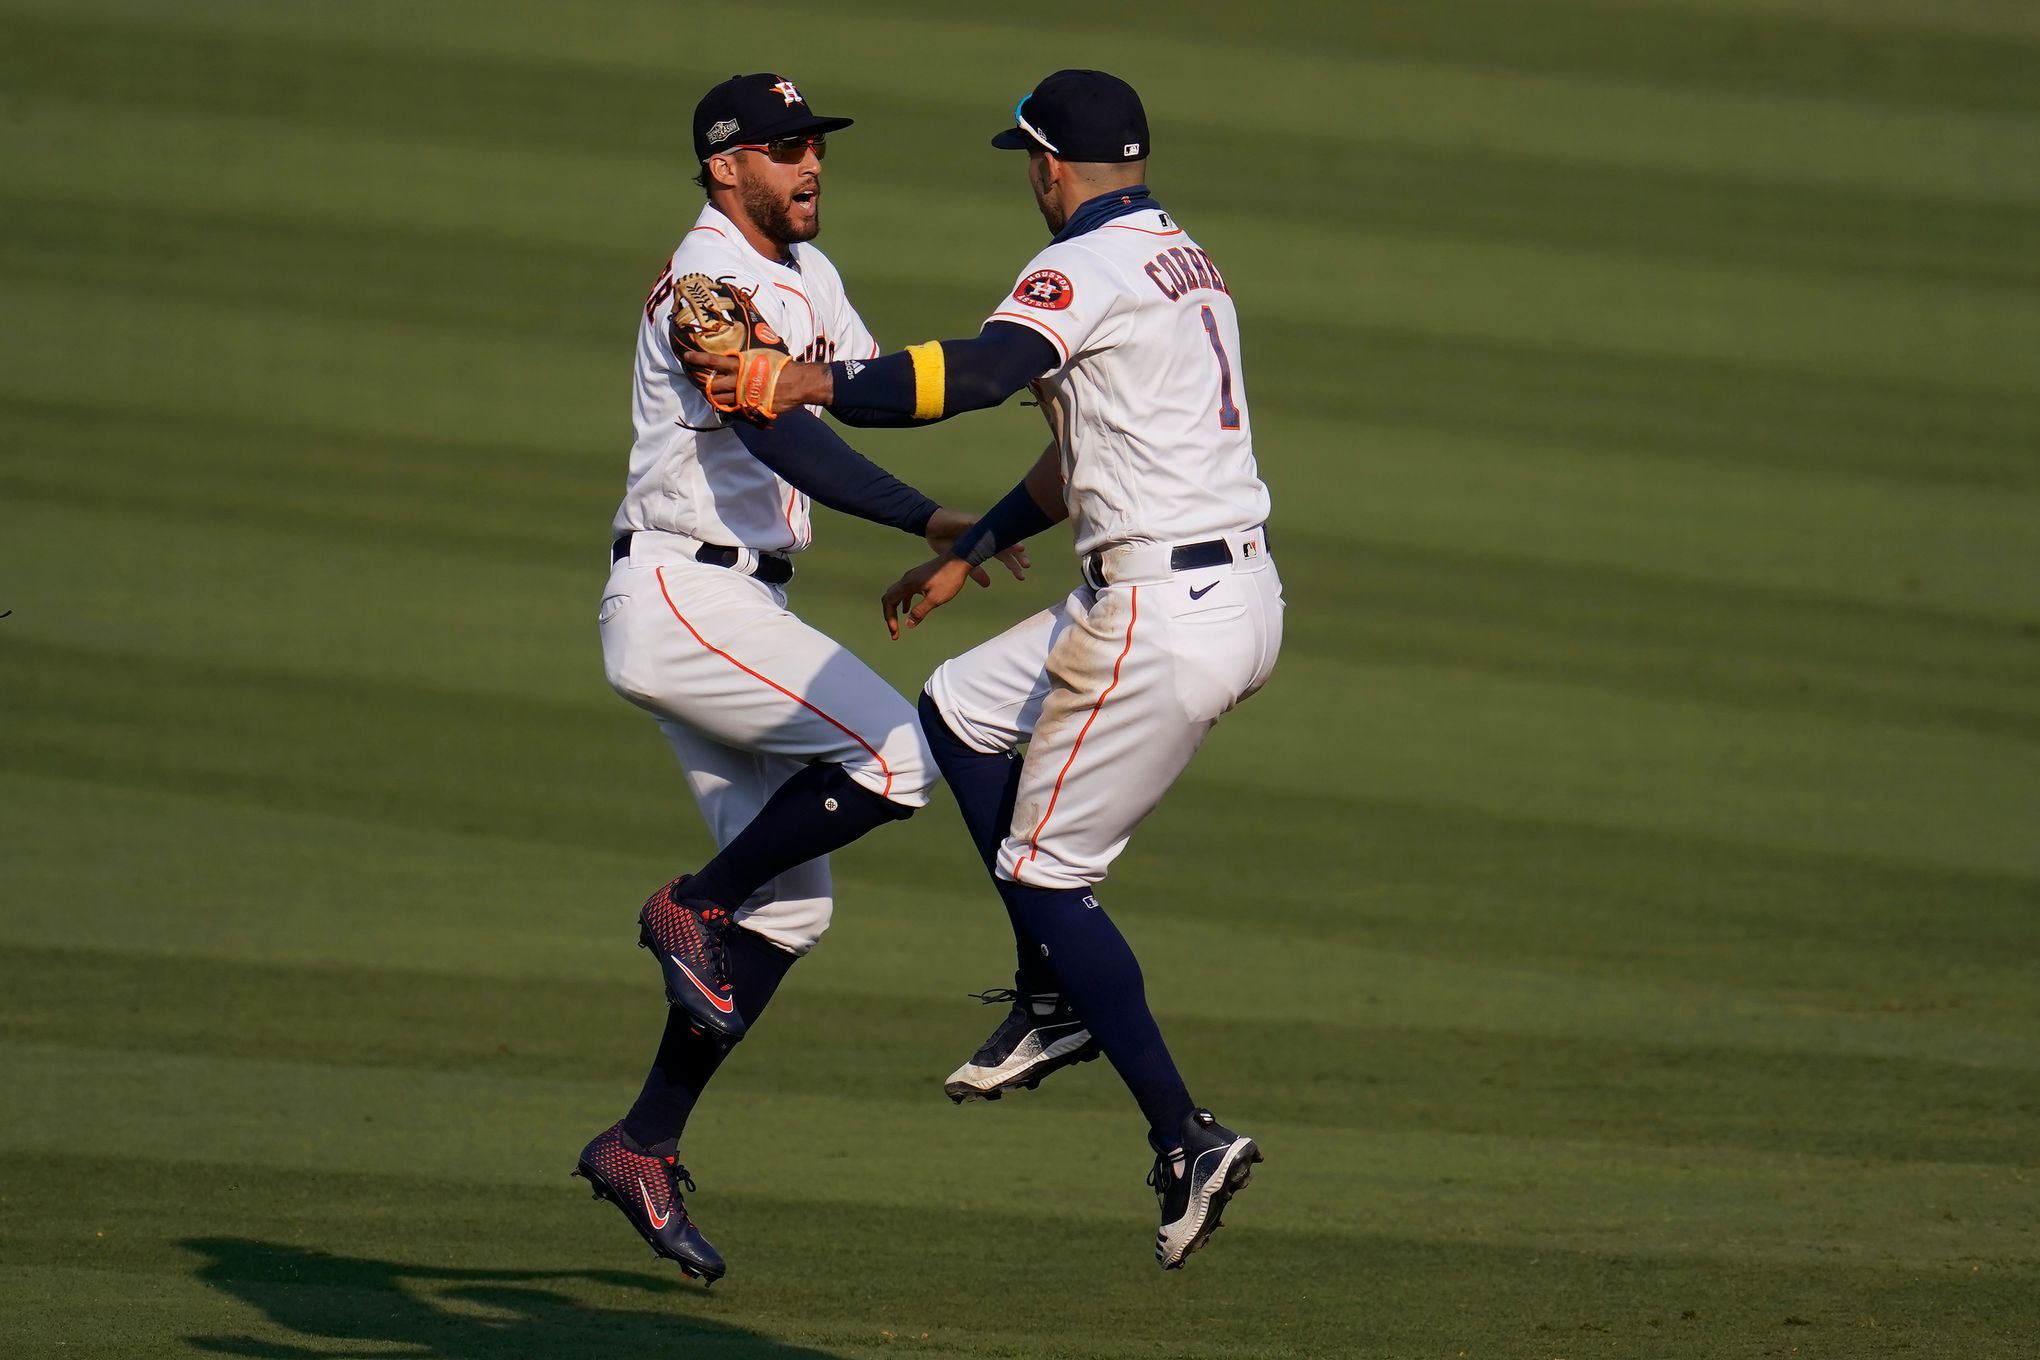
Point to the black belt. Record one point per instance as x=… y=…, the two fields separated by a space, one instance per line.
x=772 y=569
x=1213 y=552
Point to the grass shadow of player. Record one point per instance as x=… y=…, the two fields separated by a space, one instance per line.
x=452 y=1313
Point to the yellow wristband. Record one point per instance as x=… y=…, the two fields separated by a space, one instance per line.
x=929 y=381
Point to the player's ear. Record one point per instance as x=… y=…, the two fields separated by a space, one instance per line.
x=721 y=172
x=1041 y=169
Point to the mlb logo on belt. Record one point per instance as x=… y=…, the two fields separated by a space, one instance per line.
x=1048 y=289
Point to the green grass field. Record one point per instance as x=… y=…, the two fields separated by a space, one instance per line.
x=1619 y=920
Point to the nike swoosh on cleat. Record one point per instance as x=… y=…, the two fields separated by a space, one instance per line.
x=1200 y=594
x=726 y=1007
x=650 y=1212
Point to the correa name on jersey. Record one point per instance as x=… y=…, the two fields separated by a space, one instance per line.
x=1183 y=269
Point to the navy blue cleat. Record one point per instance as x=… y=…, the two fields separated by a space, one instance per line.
x=647 y=1189
x=687 y=939
x=1040 y=1035
x=1194 y=1184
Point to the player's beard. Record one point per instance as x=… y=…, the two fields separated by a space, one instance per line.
x=773 y=213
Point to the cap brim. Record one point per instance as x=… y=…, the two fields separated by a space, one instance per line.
x=1014 y=139
x=802 y=122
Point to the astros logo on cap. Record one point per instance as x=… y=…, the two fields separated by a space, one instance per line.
x=785 y=90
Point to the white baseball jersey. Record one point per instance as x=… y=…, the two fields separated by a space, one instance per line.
x=1113 y=690
x=1148 y=405
x=703 y=482
x=744 y=691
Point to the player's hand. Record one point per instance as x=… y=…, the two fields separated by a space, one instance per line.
x=798 y=385
x=935 y=583
x=945 y=526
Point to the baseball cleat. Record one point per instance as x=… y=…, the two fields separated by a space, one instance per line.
x=1029 y=1044
x=647 y=1189
x=687 y=939
x=1215 y=1164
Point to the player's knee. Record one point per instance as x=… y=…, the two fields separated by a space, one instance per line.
x=843 y=790
x=1033 y=865
x=943 y=716
x=905 y=772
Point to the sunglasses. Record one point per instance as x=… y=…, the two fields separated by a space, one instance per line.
x=788 y=150
x=1029 y=128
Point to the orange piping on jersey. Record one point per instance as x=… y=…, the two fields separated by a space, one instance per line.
x=803 y=302
x=717 y=230
x=868 y=747
x=791 y=493
x=1038 y=325
x=1114 y=226
x=1034 y=842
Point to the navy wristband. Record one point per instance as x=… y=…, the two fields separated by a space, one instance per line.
x=1016 y=518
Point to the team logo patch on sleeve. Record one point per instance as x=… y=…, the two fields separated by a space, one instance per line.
x=1048 y=289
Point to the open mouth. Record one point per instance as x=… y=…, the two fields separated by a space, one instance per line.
x=808 y=197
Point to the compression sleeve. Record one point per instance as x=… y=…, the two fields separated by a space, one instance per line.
x=1015 y=518
x=942 y=378
x=814 y=459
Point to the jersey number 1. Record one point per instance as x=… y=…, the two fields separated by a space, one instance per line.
x=1228 y=414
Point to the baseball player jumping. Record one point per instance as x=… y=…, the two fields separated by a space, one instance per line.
x=791 y=746
x=1126 y=332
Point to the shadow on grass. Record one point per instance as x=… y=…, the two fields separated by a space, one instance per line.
x=453 y=1313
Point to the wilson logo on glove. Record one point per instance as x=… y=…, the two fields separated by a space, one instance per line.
x=715 y=316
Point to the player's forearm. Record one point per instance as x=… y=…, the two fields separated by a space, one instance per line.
x=1044 y=481
x=926 y=383
x=1033 y=505
x=815 y=460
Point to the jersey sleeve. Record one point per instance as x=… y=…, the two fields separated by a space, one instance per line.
x=853 y=338
x=1069 y=295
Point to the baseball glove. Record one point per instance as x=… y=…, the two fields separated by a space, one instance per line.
x=715 y=316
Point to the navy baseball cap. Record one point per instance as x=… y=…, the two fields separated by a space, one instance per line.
x=746 y=110
x=1079 y=116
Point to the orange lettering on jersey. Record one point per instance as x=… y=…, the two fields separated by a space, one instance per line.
x=661 y=290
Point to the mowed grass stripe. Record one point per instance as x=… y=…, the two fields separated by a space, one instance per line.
x=1482 y=290
x=1062 y=1164
x=320 y=1256
x=1644 y=1090
x=1788 y=143
x=212 y=729
x=1599 y=393
x=1825 y=554
x=1422 y=916
x=1772 y=55
x=1597 y=624
x=1487 y=195
x=1719 y=967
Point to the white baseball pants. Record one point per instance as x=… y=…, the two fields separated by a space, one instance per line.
x=1112 y=691
x=747 y=694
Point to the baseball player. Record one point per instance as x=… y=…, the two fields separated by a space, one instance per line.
x=791 y=746
x=1125 y=330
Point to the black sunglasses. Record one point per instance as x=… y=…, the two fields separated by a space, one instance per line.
x=788 y=150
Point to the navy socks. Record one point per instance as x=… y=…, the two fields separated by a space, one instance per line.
x=1064 y=941
x=819 y=810
x=1099 y=976
x=687 y=1060
x=984 y=787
